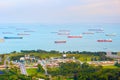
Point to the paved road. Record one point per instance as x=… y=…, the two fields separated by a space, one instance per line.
x=6 y=59
x=22 y=69
x=42 y=63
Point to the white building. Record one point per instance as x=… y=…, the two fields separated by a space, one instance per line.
x=109 y=54
x=22 y=59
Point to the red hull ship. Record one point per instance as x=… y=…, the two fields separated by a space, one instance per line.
x=74 y=36
x=108 y=40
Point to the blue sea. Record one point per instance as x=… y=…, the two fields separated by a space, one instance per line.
x=43 y=36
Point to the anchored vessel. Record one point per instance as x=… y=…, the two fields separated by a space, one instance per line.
x=105 y=40
x=75 y=36
x=13 y=37
x=60 y=41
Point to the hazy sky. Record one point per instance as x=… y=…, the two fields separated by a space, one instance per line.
x=59 y=11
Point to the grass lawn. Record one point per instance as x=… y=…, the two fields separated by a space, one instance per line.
x=33 y=72
x=110 y=67
x=46 y=55
x=82 y=57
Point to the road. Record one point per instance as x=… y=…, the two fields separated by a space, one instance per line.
x=42 y=63
x=5 y=61
x=22 y=69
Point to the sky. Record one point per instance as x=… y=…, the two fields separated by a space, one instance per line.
x=59 y=11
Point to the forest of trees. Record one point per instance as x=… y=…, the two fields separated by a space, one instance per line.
x=84 y=71
x=74 y=71
x=101 y=55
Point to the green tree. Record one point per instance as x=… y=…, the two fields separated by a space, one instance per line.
x=40 y=69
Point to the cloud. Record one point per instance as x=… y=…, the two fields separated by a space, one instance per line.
x=16 y=3
x=106 y=7
x=6 y=4
x=103 y=11
x=59 y=10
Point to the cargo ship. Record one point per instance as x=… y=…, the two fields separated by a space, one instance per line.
x=96 y=29
x=60 y=41
x=29 y=31
x=113 y=34
x=75 y=36
x=63 y=33
x=23 y=34
x=7 y=32
x=105 y=40
x=13 y=37
x=64 y=30
x=88 y=33
x=21 y=29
